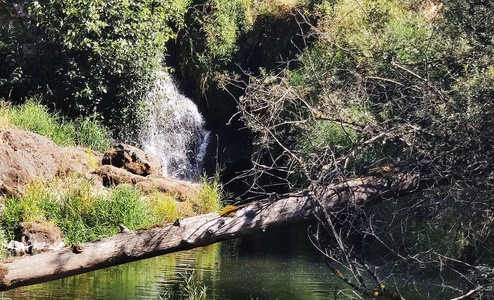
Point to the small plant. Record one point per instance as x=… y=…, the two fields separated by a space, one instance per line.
x=92 y=161
x=209 y=198
x=189 y=289
x=164 y=207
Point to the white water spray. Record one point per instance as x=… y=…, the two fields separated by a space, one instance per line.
x=175 y=131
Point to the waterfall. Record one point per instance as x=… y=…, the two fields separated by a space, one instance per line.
x=174 y=130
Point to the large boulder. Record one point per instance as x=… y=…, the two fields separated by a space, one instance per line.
x=25 y=156
x=133 y=160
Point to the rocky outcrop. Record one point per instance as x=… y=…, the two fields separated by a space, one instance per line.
x=133 y=160
x=111 y=175
x=127 y=164
x=25 y=156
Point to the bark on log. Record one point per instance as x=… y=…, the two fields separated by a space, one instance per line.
x=196 y=231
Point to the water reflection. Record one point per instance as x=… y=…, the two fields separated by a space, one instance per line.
x=279 y=265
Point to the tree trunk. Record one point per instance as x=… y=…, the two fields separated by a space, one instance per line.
x=196 y=231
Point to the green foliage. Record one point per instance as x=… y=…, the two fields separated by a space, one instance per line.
x=322 y=134
x=86 y=213
x=91 y=133
x=404 y=74
x=122 y=206
x=91 y=57
x=165 y=207
x=81 y=214
x=35 y=117
x=32 y=116
x=210 y=36
x=210 y=195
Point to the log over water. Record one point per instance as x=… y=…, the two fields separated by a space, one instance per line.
x=197 y=231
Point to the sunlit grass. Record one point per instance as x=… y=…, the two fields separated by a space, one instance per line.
x=35 y=117
x=82 y=212
x=165 y=207
x=210 y=196
x=85 y=212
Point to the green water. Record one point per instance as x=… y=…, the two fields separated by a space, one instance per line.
x=279 y=265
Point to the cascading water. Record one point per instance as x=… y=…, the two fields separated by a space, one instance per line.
x=175 y=131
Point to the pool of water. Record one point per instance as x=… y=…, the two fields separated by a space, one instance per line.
x=278 y=265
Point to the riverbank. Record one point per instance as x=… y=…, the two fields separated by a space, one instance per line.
x=84 y=201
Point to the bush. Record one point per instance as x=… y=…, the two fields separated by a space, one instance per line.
x=210 y=37
x=407 y=75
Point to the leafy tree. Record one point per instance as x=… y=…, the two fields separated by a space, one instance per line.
x=97 y=57
x=386 y=88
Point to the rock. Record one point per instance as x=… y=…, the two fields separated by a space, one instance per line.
x=133 y=160
x=25 y=156
x=79 y=160
x=110 y=175
x=16 y=248
x=180 y=189
x=38 y=237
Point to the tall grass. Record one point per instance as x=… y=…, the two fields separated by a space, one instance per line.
x=210 y=195
x=82 y=213
x=35 y=117
x=165 y=207
x=85 y=212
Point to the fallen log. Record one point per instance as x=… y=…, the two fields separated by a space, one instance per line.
x=196 y=231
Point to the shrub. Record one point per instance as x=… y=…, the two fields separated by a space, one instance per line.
x=210 y=36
